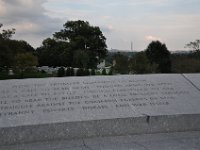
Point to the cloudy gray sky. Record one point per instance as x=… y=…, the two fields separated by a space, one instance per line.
x=174 y=22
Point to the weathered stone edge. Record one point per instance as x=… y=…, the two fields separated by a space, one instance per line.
x=98 y=128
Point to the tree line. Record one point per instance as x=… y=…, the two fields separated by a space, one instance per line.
x=16 y=54
x=156 y=58
x=78 y=45
x=81 y=45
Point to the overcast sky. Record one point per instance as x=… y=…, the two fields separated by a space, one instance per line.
x=174 y=22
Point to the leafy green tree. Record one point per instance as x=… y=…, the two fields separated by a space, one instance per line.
x=185 y=63
x=19 y=47
x=11 y=49
x=158 y=53
x=194 y=45
x=81 y=36
x=81 y=59
x=54 y=53
x=6 y=34
x=25 y=62
x=6 y=56
x=139 y=64
x=121 y=64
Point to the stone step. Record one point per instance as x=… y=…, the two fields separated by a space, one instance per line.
x=159 y=141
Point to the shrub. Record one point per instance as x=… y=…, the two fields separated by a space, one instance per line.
x=86 y=72
x=80 y=72
x=61 y=72
x=68 y=72
x=104 y=72
x=71 y=71
x=93 y=72
x=110 y=72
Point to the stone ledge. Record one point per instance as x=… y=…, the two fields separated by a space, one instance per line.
x=158 y=141
x=99 y=128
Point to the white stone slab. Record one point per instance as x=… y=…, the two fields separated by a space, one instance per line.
x=194 y=78
x=55 y=100
x=56 y=108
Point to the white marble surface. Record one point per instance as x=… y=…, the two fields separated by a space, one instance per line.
x=194 y=78
x=161 y=141
x=57 y=100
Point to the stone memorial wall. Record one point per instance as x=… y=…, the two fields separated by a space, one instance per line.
x=76 y=107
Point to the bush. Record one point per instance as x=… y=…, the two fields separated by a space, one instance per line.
x=71 y=71
x=104 y=72
x=80 y=72
x=68 y=72
x=61 y=72
x=110 y=72
x=86 y=72
x=93 y=72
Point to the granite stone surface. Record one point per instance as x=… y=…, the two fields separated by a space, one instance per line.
x=159 y=141
x=34 y=110
x=194 y=79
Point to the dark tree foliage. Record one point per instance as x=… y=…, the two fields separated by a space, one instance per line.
x=20 y=47
x=158 y=54
x=80 y=35
x=194 y=45
x=121 y=64
x=9 y=48
x=6 y=34
x=54 y=53
x=185 y=63
x=6 y=56
x=80 y=59
x=140 y=64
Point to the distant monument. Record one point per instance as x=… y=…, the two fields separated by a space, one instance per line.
x=131 y=46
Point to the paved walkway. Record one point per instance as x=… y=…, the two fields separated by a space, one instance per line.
x=161 y=141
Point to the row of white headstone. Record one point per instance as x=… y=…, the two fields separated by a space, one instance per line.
x=52 y=70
